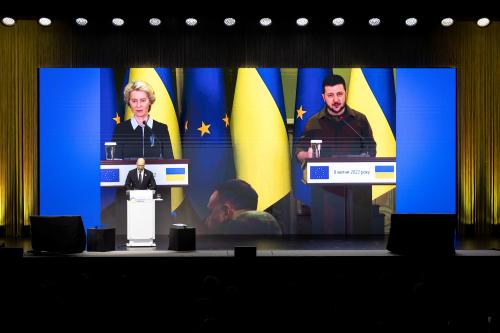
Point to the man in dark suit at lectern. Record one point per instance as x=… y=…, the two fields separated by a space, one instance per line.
x=140 y=178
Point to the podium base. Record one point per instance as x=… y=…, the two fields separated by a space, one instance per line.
x=141 y=243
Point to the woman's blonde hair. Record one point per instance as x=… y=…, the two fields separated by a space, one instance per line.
x=140 y=86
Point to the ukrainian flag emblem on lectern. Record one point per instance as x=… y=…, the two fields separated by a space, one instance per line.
x=176 y=174
x=384 y=171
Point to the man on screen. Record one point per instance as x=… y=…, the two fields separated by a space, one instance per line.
x=140 y=178
x=344 y=131
x=233 y=211
x=141 y=135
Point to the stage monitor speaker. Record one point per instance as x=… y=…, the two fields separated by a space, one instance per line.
x=422 y=234
x=245 y=252
x=57 y=234
x=182 y=239
x=100 y=239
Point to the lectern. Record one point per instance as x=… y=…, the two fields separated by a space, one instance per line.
x=342 y=197
x=141 y=218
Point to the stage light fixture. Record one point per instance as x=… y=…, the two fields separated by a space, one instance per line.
x=118 y=22
x=81 y=21
x=447 y=22
x=8 y=21
x=302 y=22
x=44 y=21
x=338 y=21
x=374 y=21
x=265 y=21
x=154 y=21
x=191 y=21
x=229 y=21
x=411 y=21
x=483 y=22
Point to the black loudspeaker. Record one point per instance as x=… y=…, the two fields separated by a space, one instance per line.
x=182 y=239
x=101 y=239
x=245 y=252
x=58 y=234
x=422 y=234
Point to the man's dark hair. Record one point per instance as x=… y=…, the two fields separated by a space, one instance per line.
x=332 y=80
x=239 y=193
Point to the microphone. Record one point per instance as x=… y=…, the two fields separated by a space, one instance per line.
x=341 y=117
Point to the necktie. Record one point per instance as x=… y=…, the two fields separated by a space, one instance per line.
x=140 y=177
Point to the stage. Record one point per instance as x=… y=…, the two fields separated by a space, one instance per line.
x=293 y=246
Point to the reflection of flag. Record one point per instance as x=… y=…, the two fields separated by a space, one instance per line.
x=175 y=174
x=319 y=172
x=205 y=131
x=308 y=101
x=384 y=171
x=371 y=91
x=110 y=175
x=163 y=110
x=258 y=131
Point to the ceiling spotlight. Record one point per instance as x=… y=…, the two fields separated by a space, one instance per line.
x=338 y=21
x=154 y=21
x=229 y=21
x=118 y=22
x=483 y=22
x=81 y=21
x=8 y=21
x=411 y=21
x=265 y=21
x=375 y=21
x=191 y=22
x=44 y=21
x=447 y=22
x=302 y=22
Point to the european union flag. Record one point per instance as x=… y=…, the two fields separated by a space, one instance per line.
x=110 y=175
x=308 y=102
x=320 y=172
x=206 y=140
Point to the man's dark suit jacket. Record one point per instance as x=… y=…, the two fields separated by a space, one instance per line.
x=132 y=182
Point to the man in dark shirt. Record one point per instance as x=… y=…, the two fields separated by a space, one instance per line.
x=345 y=132
x=141 y=136
x=232 y=208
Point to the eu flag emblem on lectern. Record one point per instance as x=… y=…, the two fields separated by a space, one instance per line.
x=320 y=172
x=110 y=175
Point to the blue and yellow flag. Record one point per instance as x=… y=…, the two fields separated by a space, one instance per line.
x=308 y=101
x=258 y=132
x=163 y=110
x=206 y=135
x=111 y=115
x=371 y=92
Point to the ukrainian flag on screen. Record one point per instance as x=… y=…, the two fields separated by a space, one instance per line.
x=259 y=136
x=371 y=92
x=163 y=110
x=384 y=171
x=175 y=174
